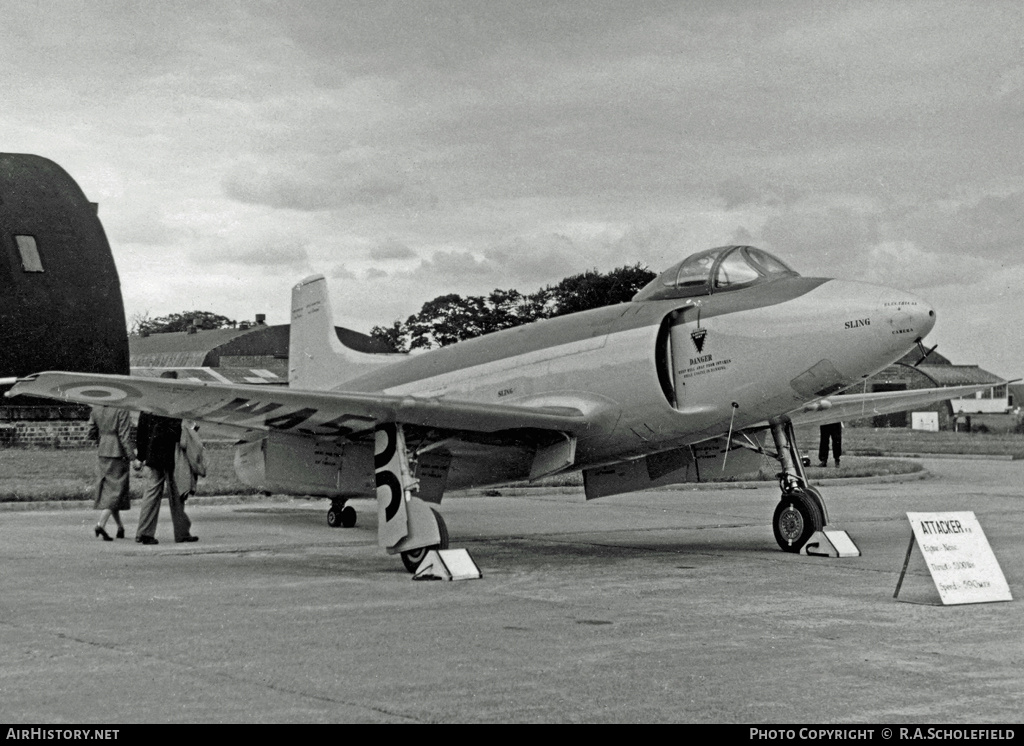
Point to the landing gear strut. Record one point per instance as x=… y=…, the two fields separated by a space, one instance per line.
x=340 y=514
x=801 y=511
x=414 y=557
x=406 y=524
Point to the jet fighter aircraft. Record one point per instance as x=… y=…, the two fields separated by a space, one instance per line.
x=702 y=374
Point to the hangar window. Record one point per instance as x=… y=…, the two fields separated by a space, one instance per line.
x=30 y=261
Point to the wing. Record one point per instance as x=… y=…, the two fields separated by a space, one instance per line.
x=308 y=412
x=855 y=406
x=220 y=374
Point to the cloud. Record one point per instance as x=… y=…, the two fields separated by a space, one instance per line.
x=825 y=240
x=991 y=227
x=144 y=226
x=340 y=272
x=391 y=249
x=513 y=146
x=328 y=185
x=906 y=265
x=268 y=254
x=453 y=264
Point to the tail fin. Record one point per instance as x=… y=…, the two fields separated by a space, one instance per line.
x=317 y=359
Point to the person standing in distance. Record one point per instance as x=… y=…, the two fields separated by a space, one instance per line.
x=158 y=439
x=113 y=429
x=834 y=432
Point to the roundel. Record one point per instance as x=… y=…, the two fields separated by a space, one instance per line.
x=99 y=394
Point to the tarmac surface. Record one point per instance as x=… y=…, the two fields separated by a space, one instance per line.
x=670 y=606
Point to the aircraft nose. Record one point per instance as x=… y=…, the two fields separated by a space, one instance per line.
x=926 y=320
x=908 y=316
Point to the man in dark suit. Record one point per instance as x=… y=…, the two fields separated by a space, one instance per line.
x=834 y=432
x=157 y=442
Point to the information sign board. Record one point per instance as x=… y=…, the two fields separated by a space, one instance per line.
x=959 y=558
x=925 y=421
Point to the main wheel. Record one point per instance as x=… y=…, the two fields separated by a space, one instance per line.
x=336 y=514
x=348 y=516
x=414 y=557
x=797 y=517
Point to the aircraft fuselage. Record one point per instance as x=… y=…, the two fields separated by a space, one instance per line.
x=659 y=374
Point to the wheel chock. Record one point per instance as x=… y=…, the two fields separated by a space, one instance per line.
x=830 y=544
x=447 y=564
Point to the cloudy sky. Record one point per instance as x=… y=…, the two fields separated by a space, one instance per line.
x=408 y=149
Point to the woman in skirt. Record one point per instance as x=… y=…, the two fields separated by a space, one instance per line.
x=113 y=429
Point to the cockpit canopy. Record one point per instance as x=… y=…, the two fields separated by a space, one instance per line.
x=715 y=271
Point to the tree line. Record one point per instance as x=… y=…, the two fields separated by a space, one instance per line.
x=453 y=318
x=141 y=324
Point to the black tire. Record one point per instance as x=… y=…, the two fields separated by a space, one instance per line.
x=335 y=515
x=797 y=517
x=414 y=557
x=348 y=516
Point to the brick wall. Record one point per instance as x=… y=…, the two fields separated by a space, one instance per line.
x=46 y=434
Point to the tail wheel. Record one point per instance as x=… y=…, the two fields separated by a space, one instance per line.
x=414 y=557
x=797 y=517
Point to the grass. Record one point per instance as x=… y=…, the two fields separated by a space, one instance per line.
x=34 y=475
x=882 y=441
x=31 y=475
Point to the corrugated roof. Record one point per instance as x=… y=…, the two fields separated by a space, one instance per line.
x=959 y=375
x=180 y=349
x=205 y=347
x=202 y=340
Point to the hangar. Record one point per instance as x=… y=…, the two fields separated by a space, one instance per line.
x=61 y=306
x=248 y=353
x=937 y=370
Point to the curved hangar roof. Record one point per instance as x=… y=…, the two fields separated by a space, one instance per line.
x=714 y=271
x=226 y=347
x=60 y=297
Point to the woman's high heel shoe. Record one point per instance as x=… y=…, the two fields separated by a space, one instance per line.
x=120 y=532
x=102 y=533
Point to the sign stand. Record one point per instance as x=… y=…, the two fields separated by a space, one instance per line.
x=958 y=556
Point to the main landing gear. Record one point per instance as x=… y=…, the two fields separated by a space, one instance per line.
x=408 y=526
x=340 y=514
x=412 y=558
x=801 y=510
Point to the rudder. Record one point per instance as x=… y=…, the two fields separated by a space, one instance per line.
x=317 y=359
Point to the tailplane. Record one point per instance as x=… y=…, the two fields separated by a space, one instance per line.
x=317 y=359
